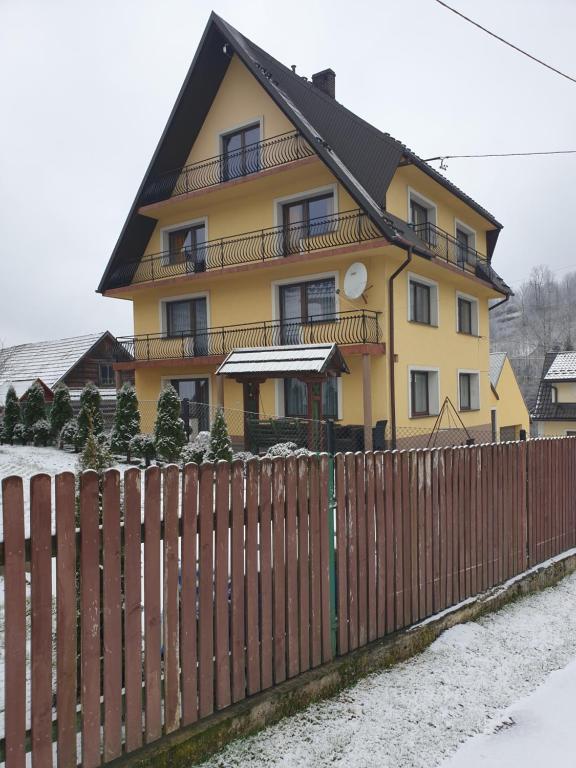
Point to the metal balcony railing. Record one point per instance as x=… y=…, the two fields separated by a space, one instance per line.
x=447 y=247
x=331 y=231
x=252 y=158
x=349 y=327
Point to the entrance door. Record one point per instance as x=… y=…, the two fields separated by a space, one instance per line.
x=196 y=391
x=251 y=409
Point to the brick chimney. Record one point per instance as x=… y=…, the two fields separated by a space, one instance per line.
x=325 y=81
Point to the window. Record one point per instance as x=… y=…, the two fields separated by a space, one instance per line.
x=306 y=218
x=553 y=395
x=106 y=377
x=196 y=410
x=296 y=398
x=424 y=392
x=570 y=433
x=422 y=215
x=241 y=153
x=313 y=301
x=189 y=317
x=466 y=315
x=187 y=245
x=468 y=391
x=423 y=301
x=465 y=244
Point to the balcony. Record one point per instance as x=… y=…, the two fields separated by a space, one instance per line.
x=347 y=228
x=446 y=247
x=349 y=327
x=253 y=158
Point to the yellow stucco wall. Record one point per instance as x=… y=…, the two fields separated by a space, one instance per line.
x=555 y=428
x=249 y=296
x=510 y=406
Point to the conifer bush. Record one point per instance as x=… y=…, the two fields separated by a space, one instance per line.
x=90 y=414
x=143 y=446
x=220 y=444
x=169 y=434
x=34 y=409
x=11 y=415
x=126 y=420
x=95 y=454
x=61 y=411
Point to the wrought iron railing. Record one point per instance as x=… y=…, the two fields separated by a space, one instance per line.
x=349 y=327
x=252 y=158
x=331 y=231
x=448 y=247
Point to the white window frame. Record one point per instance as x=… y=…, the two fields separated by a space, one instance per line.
x=476 y=406
x=475 y=314
x=458 y=224
x=259 y=121
x=163 y=315
x=280 y=404
x=433 y=396
x=434 y=300
x=423 y=201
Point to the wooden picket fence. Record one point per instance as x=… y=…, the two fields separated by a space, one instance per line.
x=182 y=592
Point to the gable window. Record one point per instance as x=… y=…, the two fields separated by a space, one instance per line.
x=553 y=395
x=306 y=218
x=423 y=301
x=296 y=398
x=241 y=153
x=422 y=215
x=189 y=318
x=424 y=393
x=469 y=391
x=311 y=301
x=465 y=245
x=106 y=377
x=187 y=246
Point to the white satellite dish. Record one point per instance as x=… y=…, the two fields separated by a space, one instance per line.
x=355 y=280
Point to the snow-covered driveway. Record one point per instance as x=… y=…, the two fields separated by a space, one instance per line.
x=419 y=712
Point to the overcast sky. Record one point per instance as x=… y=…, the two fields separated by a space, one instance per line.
x=86 y=88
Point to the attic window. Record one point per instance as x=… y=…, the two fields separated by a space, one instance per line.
x=241 y=153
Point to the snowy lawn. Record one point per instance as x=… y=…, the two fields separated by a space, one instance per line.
x=418 y=713
x=535 y=732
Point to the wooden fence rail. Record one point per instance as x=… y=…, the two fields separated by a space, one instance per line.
x=167 y=595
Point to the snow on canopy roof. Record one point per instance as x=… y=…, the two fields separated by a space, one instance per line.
x=496 y=364
x=296 y=358
x=46 y=360
x=563 y=367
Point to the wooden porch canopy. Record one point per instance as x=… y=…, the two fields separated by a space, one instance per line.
x=301 y=361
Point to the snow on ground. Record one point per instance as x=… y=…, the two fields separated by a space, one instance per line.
x=536 y=731
x=416 y=714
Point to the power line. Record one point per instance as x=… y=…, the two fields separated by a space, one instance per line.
x=511 y=45
x=501 y=154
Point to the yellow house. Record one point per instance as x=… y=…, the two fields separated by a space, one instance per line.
x=555 y=409
x=509 y=414
x=273 y=218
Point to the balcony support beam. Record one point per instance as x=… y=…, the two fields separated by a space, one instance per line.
x=367 y=400
x=219 y=391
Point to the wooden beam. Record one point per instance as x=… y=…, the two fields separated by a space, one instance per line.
x=220 y=391
x=367 y=400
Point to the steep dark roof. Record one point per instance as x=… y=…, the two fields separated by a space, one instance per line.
x=545 y=409
x=363 y=158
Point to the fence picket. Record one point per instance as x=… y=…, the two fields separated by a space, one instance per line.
x=41 y=625
x=152 y=620
x=266 y=571
x=90 y=618
x=66 y=618
x=133 y=609
x=360 y=470
x=279 y=567
x=372 y=550
x=293 y=661
x=398 y=544
x=188 y=595
x=252 y=622
x=325 y=528
x=221 y=586
x=380 y=544
x=237 y=632
x=206 y=592
x=352 y=551
x=315 y=566
x=341 y=554
x=111 y=615
x=170 y=603
x=14 y=622
x=303 y=564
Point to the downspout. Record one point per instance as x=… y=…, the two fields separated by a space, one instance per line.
x=391 y=343
x=499 y=303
